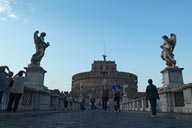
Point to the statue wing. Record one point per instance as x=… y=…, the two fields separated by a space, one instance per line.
x=173 y=41
x=36 y=37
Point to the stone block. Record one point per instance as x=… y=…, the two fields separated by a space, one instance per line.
x=35 y=75
x=172 y=77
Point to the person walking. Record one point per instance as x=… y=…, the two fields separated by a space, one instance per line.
x=116 y=96
x=152 y=95
x=104 y=97
x=65 y=101
x=71 y=102
x=16 y=91
x=82 y=103
x=6 y=93
x=4 y=80
x=92 y=101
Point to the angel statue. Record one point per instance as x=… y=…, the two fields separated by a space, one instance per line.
x=40 y=46
x=167 y=50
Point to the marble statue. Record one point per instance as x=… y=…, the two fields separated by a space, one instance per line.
x=125 y=86
x=104 y=57
x=167 y=50
x=40 y=46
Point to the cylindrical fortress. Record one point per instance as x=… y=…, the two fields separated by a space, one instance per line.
x=103 y=73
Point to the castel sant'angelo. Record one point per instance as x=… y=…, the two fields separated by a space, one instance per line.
x=103 y=72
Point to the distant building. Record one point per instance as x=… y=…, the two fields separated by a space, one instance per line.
x=103 y=73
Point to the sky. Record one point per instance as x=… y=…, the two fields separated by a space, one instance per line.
x=129 y=32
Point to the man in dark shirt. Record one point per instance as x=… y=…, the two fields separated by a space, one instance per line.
x=92 y=100
x=104 y=97
x=116 y=96
x=152 y=95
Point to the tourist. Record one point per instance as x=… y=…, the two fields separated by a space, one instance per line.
x=82 y=103
x=4 y=80
x=65 y=101
x=71 y=101
x=104 y=97
x=92 y=100
x=116 y=96
x=100 y=104
x=16 y=91
x=152 y=95
x=6 y=93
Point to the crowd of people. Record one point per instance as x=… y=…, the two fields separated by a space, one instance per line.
x=11 y=89
x=104 y=103
x=68 y=101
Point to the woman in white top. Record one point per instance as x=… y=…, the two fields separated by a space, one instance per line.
x=16 y=91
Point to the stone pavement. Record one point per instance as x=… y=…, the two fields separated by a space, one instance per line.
x=88 y=119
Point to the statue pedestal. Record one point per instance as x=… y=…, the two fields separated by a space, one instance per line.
x=35 y=80
x=172 y=80
x=172 y=77
x=35 y=77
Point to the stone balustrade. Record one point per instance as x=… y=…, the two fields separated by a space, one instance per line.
x=34 y=100
x=171 y=100
x=139 y=104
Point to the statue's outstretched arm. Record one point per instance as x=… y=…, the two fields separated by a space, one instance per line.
x=48 y=44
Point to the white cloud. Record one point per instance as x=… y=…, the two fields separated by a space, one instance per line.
x=6 y=10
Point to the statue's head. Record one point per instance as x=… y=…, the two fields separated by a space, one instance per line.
x=43 y=34
x=2 y=68
x=150 y=81
x=20 y=73
x=173 y=35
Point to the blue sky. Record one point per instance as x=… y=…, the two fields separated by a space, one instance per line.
x=78 y=31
